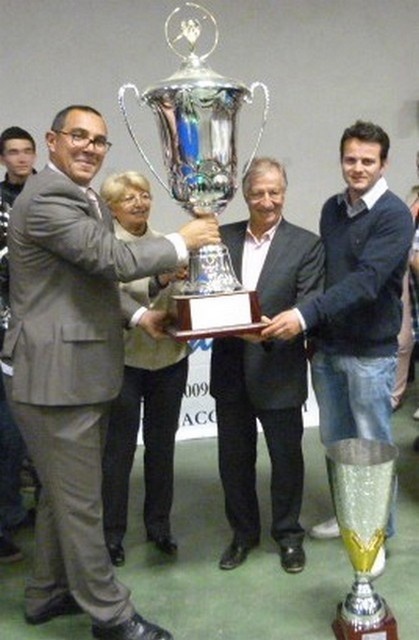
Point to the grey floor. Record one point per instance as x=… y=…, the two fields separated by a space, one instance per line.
x=196 y=601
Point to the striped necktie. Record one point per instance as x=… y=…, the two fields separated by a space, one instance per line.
x=92 y=198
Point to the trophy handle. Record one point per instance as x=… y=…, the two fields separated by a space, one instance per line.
x=121 y=101
x=249 y=100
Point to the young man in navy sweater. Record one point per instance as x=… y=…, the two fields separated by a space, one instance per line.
x=367 y=233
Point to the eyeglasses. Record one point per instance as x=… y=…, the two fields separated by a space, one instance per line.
x=81 y=140
x=143 y=196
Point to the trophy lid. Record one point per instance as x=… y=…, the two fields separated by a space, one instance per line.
x=194 y=72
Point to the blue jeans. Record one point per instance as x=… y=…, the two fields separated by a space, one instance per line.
x=354 y=398
x=12 y=450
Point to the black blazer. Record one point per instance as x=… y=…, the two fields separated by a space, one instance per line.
x=274 y=374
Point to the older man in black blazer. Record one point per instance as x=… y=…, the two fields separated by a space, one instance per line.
x=251 y=379
x=64 y=350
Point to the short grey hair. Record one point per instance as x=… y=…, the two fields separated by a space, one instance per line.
x=260 y=166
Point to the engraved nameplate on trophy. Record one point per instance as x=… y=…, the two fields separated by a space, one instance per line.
x=196 y=111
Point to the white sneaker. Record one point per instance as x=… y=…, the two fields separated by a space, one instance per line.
x=379 y=563
x=415 y=416
x=325 y=530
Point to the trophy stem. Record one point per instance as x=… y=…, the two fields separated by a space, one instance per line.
x=364 y=615
x=211 y=271
x=363 y=608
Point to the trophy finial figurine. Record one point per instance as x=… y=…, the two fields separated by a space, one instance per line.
x=190 y=30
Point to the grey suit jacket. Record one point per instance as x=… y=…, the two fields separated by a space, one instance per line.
x=274 y=374
x=65 y=335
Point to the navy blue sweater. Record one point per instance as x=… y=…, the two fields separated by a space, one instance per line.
x=360 y=312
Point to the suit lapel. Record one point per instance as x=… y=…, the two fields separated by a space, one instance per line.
x=46 y=175
x=235 y=245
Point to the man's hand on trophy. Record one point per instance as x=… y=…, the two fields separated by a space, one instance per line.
x=256 y=337
x=181 y=273
x=201 y=231
x=285 y=326
x=154 y=322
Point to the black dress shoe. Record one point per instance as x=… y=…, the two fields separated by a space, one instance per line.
x=28 y=521
x=117 y=554
x=293 y=559
x=234 y=555
x=136 y=628
x=64 y=607
x=165 y=543
x=9 y=552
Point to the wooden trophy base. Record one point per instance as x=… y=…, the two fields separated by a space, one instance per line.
x=216 y=315
x=385 y=630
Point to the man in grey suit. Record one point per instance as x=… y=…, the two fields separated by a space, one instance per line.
x=63 y=363
x=252 y=379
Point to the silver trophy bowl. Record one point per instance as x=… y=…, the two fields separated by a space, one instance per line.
x=196 y=111
x=362 y=476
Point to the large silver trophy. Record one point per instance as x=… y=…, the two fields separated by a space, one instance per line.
x=196 y=111
x=361 y=476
